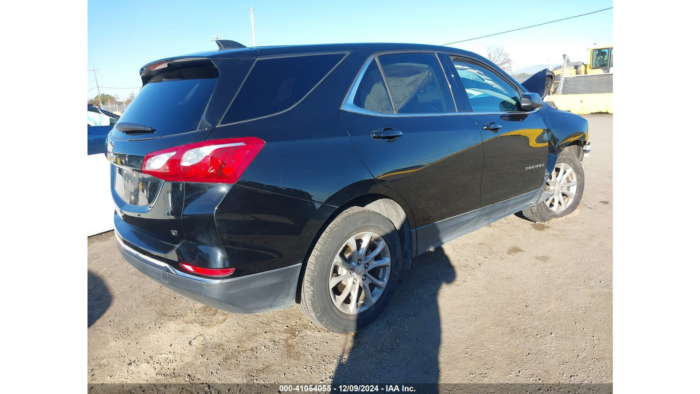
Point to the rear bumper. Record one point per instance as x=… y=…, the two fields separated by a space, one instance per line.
x=260 y=292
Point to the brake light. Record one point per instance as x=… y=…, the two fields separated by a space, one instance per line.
x=207 y=271
x=217 y=161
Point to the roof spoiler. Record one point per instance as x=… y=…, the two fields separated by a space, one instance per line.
x=228 y=44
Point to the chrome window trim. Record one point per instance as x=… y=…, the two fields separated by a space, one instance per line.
x=451 y=54
x=295 y=104
x=349 y=106
x=353 y=108
x=350 y=96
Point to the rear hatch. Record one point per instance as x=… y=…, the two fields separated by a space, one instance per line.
x=180 y=103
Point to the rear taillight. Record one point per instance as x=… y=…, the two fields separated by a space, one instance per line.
x=207 y=271
x=217 y=161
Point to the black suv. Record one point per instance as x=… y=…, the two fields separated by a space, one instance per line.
x=252 y=179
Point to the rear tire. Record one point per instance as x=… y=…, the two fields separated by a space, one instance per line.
x=325 y=298
x=553 y=208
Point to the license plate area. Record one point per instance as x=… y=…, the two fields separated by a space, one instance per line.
x=136 y=188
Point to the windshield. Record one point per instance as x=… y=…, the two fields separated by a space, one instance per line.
x=99 y=119
x=602 y=58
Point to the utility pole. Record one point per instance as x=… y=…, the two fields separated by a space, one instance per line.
x=252 y=24
x=99 y=96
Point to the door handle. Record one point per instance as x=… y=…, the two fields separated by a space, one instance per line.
x=492 y=126
x=386 y=134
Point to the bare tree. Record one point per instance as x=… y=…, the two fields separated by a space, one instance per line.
x=130 y=98
x=500 y=57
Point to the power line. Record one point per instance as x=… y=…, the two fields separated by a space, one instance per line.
x=528 y=27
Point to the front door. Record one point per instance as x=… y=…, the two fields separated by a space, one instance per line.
x=515 y=142
x=96 y=198
x=99 y=125
x=411 y=137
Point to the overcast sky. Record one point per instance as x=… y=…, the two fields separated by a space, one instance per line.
x=123 y=36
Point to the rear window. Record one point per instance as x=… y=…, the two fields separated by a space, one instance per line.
x=173 y=102
x=276 y=84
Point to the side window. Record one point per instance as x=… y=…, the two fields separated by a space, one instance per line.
x=98 y=119
x=417 y=83
x=371 y=93
x=276 y=84
x=486 y=91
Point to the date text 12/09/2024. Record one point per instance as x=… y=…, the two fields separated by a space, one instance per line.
x=370 y=388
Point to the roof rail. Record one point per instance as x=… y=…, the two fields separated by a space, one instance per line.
x=228 y=44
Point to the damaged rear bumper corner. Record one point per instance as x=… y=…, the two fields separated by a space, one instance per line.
x=262 y=292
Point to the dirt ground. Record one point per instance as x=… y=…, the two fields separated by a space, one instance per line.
x=514 y=302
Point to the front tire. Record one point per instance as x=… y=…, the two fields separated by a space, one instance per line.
x=566 y=184
x=352 y=271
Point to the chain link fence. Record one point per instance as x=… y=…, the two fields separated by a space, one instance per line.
x=115 y=108
x=588 y=84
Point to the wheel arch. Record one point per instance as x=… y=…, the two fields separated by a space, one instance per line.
x=577 y=138
x=566 y=129
x=386 y=205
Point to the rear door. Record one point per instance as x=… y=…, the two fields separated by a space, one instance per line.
x=515 y=142
x=411 y=136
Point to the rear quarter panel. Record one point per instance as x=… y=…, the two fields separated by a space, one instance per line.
x=306 y=171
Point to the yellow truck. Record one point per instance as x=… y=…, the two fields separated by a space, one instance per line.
x=584 y=88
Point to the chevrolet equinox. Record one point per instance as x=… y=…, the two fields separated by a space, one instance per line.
x=254 y=179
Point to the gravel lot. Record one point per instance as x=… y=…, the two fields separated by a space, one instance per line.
x=514 y=302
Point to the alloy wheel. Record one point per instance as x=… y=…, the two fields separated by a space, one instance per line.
x=360 y=273
x=562 y=184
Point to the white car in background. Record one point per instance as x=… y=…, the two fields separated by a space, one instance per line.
x=98 y=196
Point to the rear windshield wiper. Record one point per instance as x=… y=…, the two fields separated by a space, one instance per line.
x=133 y=128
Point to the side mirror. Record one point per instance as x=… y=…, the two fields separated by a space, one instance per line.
x=530 y=101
